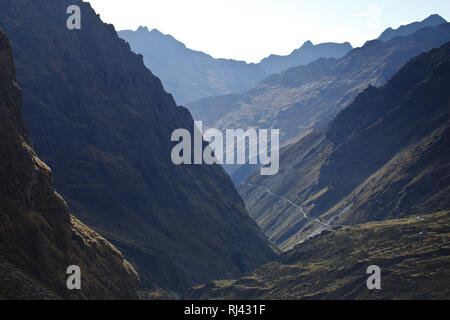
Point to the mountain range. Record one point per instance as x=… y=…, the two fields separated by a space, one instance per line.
x=371 y=189
x=102 y=121
x=384 y=156
x=191 y=75
x=302 y=99
x=87 y=179
x=304 y=55
x=188 y=74
x=408 y=29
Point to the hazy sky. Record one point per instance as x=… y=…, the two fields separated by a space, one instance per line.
x=252 y=29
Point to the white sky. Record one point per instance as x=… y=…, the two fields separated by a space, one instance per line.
x=253 y=29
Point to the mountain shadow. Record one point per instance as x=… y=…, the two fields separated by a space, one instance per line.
x=103 y=123
x=39 y=238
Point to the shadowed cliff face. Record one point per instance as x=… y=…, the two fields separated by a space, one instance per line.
x=39 y=239
x=385 y=156
x=103 y=122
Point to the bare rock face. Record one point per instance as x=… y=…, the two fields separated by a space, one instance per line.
x=39 y=238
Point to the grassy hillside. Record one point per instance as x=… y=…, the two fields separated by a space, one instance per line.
x=413 y=254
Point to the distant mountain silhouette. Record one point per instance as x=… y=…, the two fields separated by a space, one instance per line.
x=190 y=75
x=306 y=54
x=408 y=29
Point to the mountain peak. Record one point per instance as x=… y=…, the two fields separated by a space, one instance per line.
x=142 y=29
x=435 y=18
x=307 y=44
x=411 y=28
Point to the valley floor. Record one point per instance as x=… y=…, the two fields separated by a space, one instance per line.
x=413 y=254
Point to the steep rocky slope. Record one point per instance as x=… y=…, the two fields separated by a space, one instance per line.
x=385 y=156
x=408 y=29
x=188 y=74
x=413 y=255
x=305 y=98
x=103 y=123
x=304 y=55
x=39 y=239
